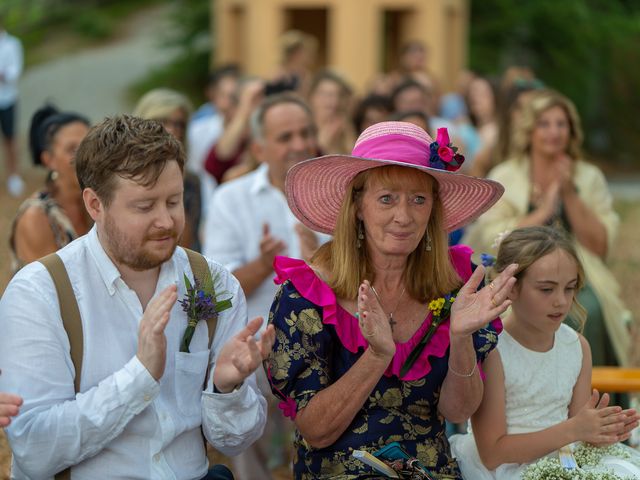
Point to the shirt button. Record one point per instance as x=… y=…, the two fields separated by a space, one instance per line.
x=156 y=457
x=147 y=398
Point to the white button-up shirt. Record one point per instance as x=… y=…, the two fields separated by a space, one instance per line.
x=122 y=424
x=233 y=229
x=11 y=60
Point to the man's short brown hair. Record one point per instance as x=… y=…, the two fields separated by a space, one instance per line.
x=128 y=147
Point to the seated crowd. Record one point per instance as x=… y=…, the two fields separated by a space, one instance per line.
x=374 y=274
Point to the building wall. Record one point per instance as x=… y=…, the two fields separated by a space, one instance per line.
x=247 y=32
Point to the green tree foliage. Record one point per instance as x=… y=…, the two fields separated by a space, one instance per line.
x=191 y=36
x=587 y=49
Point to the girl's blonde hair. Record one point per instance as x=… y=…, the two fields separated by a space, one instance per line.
x=538 y=103
x=525 y=246
x=428 y=274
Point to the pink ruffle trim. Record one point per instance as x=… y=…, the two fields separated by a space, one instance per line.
x=311 y=287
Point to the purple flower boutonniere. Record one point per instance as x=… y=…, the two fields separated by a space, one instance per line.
x=200 y=303
x=443 y=155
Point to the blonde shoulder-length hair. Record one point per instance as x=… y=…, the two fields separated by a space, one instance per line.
x=428 y=274
x=538 y=103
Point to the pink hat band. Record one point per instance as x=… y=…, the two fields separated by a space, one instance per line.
x=396 y=147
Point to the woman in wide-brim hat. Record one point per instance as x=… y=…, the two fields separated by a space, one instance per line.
x=370 y=346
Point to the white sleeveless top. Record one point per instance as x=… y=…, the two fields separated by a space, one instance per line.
x=539 y=385
x=538 y=391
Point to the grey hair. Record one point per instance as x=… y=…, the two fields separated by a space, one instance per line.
x=256 y=121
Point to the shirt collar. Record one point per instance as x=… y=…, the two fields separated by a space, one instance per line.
x=261 y=179
x=107 y=270
x=110 y=273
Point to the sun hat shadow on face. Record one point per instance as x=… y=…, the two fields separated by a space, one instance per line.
x=315 y=188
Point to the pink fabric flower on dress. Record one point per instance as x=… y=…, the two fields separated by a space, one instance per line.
x=289 y=408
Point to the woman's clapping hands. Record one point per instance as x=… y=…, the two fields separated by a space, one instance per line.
x=473 y=309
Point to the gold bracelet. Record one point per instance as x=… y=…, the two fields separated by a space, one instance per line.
x=464 y=375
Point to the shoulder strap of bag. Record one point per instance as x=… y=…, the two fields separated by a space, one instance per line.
x=201 y=272
x=70 y=320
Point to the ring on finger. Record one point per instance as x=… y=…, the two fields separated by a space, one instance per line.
x=493 y=301
x=492 y=286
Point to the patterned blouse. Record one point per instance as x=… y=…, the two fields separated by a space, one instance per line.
x=59 y=223
x=317 y=341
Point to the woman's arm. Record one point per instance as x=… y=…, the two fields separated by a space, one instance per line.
x=472 y=310
x=585 y=225
x=33 y=237
x=332 y=409
x=461 y=394
x=594 y=423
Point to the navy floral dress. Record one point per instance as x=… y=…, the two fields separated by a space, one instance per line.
x=317 y=342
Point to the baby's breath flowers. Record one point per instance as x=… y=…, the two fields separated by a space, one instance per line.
x=549 y=468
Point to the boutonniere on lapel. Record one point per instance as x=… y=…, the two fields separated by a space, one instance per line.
x=200 y=303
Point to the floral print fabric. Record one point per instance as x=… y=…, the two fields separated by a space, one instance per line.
x=308 y=356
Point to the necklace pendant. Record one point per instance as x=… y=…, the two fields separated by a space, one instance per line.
x=392 y=322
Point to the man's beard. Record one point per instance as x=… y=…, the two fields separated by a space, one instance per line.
x=126 y=252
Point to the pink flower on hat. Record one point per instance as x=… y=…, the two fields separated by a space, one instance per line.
x=446 y=154
x=443 y=137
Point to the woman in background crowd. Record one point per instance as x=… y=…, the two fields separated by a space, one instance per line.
x=329 y=99
x=55 y=215
x=547 y=182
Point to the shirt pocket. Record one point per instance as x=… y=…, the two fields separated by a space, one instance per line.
x=191 y=369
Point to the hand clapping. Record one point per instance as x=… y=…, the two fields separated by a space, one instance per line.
x=601 y=425
x=374 y=323
x=473 y=309
x=242 y=355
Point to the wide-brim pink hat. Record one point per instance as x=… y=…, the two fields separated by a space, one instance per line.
x=316 y=188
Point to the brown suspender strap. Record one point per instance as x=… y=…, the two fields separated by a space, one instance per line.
x=70 y=320
x=68 y=311
x=200 y=269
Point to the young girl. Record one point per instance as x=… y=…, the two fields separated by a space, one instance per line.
x=537 y=395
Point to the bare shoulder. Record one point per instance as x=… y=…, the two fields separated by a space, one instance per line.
x=33 y=236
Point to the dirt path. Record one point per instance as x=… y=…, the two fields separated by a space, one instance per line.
x=94 y=81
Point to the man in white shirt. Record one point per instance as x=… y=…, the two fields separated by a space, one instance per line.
x=11 y=60
x=141 y=404
x=251 y=223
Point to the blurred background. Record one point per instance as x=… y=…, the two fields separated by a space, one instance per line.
x=98 y=57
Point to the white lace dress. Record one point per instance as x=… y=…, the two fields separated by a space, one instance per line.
x=538 y=391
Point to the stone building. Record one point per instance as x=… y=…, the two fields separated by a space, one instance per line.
x=357 y=38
